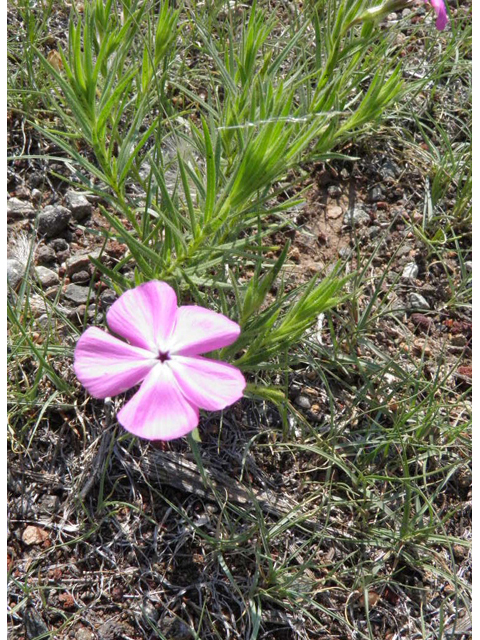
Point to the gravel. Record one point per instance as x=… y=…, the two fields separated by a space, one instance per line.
x=59 y=244
x=376 y=194
x=15 y=273
x=417 y=301
x=47 y=277
x=52 y=220
x=78 y=205
x=80 y=262
x=410 y=271
x=303 y=402
x=390 y=169
x=356 y=217
x=107 y=298
x=17 y=209
x=80 y=277
x=76 y=294
x=334 y=191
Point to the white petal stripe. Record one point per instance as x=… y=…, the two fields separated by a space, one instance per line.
x=145 y=316
x=208 y=384
x=106 y=366
x=199 y=330
x=159 y=411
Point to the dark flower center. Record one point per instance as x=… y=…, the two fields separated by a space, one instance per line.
x=163 y=356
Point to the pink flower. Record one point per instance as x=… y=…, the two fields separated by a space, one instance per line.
x=441 y=11
x=162 y=353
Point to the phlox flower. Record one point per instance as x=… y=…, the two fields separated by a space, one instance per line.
x=162 y=348
x=441 y=11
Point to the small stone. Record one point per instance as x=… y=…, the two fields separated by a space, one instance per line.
x=334 y=191
x=410 y=271
x=53 y=220
x=36 y=195
x=47 y=277
x=80 y=277
x=80 y=262
x=356 y=217
x=465 y=370
x=84 y=634
x=334 y=211
x=424 y=323
x=468 y=266
x=17 y=209
x=417 y=301
x=116 y=249
x=392 y=16
x=174 y=628
x=376 y=194
x=397 y=308
x=76 y=294
x=294 y=254
x=295 y=388
x=34 y=624
x=344 y=253
x=95 y=315
x=303 y=402
x=77 y=263
x=59 y=244
x=15 y=273
x=23 y=192
x=107 y=298
x=35 y=179
x=373 y=232
x=404 y=250
x=315 y=413
x=464 y=478
x=420 y=347
x=67 y=601
x=460 y=552
x=34 y=535
x=111 y=630
x=78 y=205
x=62 y=256
x=390 y=170
x=458 y=341
x=44 y=255
x=77 y=315
x=149 y=611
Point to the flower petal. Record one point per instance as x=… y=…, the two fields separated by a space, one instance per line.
x=441 y=11
x=106 y=366
x=199 y=330
x=159 y=410
x=145 y=316
x=208 y=384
